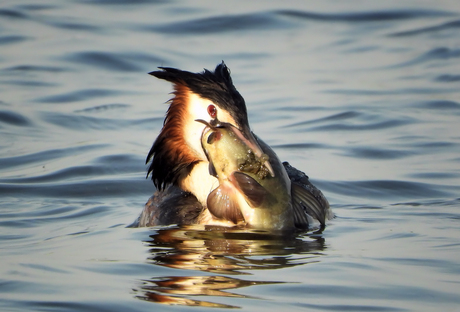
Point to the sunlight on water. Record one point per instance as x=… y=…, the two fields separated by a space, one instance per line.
x=363 y=97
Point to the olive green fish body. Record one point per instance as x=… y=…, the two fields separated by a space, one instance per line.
x=253 y=189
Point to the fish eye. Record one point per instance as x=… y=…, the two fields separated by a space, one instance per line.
x=211 y=138
x=212 y=111
x=214 y=136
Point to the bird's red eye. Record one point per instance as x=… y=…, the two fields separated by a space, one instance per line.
x=212 y=111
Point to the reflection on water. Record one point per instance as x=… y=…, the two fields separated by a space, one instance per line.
x=220 y=250
x=174 y=289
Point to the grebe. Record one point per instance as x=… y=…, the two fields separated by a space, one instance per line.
x=209 y=168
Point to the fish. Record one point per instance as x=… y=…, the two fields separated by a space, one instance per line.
x=253 y=190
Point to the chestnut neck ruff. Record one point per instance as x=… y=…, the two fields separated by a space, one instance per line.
x=171 y=157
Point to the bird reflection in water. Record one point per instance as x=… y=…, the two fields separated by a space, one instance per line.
x=225 y=253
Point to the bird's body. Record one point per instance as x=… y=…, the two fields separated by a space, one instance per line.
x=183 y=162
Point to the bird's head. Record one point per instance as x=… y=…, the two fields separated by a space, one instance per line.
x=207 y=96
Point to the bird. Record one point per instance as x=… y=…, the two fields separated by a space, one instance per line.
x=184 y=175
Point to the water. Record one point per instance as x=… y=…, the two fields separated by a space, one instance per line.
x=363 y=96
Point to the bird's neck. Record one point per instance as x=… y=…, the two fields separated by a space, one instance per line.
x=178 y=157
x=199 y=182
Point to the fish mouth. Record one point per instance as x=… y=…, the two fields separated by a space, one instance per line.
x=247 y=138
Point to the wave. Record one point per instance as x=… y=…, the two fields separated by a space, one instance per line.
x=447 y=78
x=4 y=40
x=127 y=62
x=370 y=16
x=13 y=118
x=453 y=25
x=79 y=95
x=440 y=53
x=223 y=23
x=38 y=157
x=388 y=190
x=439 y=105
x=107 y=188
x=88 y=123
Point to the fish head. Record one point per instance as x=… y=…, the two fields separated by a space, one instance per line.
x=249 y=192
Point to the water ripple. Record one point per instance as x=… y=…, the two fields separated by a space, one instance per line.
x=87 y=123
x=126 y=62
x=75 y=305
x=23 y=160
x=351 y=121
x=437 y=264
x=448 y=78
x=388 y=189
x=401 y=292
x=84 y=172
x=74 y=26
x=405 y=91
x=13 y=14
x=302 y=146
x=49 y=215
x=367 y=126
x=122 y=2
x=376 y=153
x=108 y=188
x=435 y=175
x=30 y=83
x=13 y=118
x=425 y=30
x=220 y=24
x=102 y=108
x=441 y=53
x=34 y=68
x=79 y=95
x=335 y=117
x=439 y=105
x=12 y=39
x=371 y=16
x=103 y=60
x=36 y=7
x=346 y=307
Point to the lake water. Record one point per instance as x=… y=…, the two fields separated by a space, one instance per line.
x=362 y=96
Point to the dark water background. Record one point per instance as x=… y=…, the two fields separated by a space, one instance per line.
x=363 y=96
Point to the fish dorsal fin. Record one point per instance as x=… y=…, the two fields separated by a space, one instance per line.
x=222 y=204
x=305 y=203
x=254 y=193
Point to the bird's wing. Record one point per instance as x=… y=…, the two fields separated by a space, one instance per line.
x=169 y=206
x=309 y=203
x=307 y=199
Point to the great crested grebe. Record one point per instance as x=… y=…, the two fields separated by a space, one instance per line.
x=209 y=168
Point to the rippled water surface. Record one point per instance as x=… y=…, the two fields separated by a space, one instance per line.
x=362 y=96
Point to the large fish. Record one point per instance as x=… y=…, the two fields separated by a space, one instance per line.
x=253 y=189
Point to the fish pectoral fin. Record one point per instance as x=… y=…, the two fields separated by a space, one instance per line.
x=254 y=193
x=222 y=204
x=308 y=201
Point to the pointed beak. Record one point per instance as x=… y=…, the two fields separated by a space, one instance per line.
x=248 y=138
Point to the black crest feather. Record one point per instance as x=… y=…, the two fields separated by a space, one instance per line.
x=216 y=86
